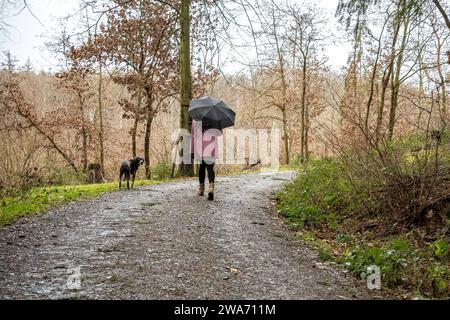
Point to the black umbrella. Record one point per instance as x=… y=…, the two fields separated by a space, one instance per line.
x=212 y=111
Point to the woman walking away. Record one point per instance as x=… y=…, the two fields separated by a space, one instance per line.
x=204 y=146
x=211 y=117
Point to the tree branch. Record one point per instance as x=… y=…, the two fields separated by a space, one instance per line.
x=443 y=13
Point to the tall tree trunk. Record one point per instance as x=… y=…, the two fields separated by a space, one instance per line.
x=442 y=81
x=286 y=136
x=303 y=136
x=100 y=114
x=85 y=147
x=148 y=129
x=387 y=76
x=307 y=127
x=133 y=137
x=185 y=76
x=136 y=124
x=357 y=57
x=284 y=87
x=395 y=83
x=420 y=101
x=84 y=135
x=373 y=82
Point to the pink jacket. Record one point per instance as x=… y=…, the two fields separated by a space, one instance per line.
x=204 y=145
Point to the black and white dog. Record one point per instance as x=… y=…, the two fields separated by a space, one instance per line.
x=128 y=169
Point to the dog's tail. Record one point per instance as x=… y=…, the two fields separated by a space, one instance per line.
x=124 y=177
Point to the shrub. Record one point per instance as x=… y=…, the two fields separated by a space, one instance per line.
x=439 y=275
x=320 y=194
x=162 y=171
x=390 y=259
x=440 y=249
x=405 y=178
x=65 y=176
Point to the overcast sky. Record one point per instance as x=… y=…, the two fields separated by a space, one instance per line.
x=28 y=34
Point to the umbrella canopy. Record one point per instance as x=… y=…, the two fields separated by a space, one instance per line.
x=213 y=111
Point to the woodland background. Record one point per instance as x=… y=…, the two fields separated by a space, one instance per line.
x=117 y=91
x=371 y=141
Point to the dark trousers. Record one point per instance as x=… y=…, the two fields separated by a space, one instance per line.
x=202 y=172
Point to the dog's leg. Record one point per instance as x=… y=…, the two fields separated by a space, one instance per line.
x=132 y=184
x=120 y=182
x=128 y=181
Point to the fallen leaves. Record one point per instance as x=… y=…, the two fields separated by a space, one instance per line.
x=234 y=270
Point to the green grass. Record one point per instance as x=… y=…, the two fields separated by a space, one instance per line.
x=40 y=199
x=321 y=194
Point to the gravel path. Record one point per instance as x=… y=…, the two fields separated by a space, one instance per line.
x=164 y=242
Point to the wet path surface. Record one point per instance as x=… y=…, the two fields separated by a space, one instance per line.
x=164 y=242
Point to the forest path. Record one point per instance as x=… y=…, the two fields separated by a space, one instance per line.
x=164 y=242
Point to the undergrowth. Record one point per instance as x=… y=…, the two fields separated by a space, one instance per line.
x=339 y=218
